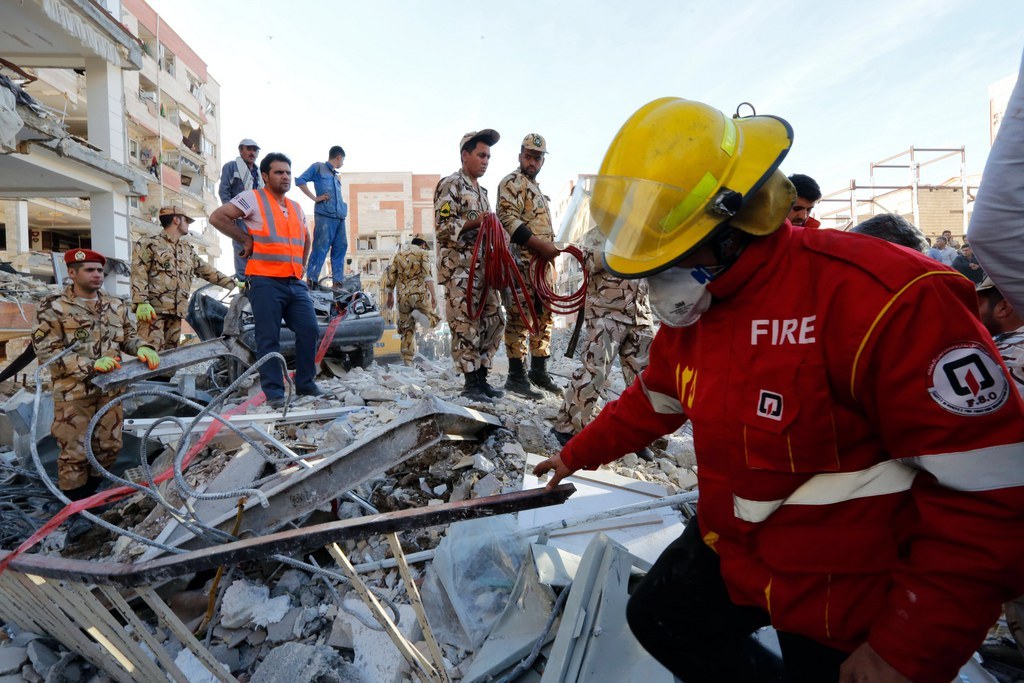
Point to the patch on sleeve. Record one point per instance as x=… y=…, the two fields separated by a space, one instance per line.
x=241 y=203
x=39 y=335
x=446 y=210
x=82 y=334
x=965 y=380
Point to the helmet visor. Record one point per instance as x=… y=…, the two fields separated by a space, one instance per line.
x=640 y=226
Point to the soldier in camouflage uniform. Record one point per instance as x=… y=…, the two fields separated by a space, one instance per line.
x=459 y=207
x=103 y=329
x=163 y=268
x=618 y=314
x=523 y=211
x=410 y=272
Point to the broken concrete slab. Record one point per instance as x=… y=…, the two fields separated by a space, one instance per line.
x=247 y=603
x=555 y=567
x=297 y=491
x=593 y=641
x=644 y=534
x=300 y=662
x=42 y=657
x=376 y=657
x=12 y=659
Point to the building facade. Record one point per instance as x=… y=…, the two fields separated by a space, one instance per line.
x=76 y=174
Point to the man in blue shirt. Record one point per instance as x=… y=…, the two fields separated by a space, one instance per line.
x=329 y=216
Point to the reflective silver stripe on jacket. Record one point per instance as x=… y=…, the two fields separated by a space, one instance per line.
x=886 y=477
x=983 y=469
x=662 y=403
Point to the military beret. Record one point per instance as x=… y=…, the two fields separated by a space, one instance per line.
x=84 y=256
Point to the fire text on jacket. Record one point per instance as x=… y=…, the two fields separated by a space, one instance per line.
x=786 y=331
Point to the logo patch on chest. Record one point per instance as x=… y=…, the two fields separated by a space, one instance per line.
x=965 y=380
x=81 y=334
x=769 y=404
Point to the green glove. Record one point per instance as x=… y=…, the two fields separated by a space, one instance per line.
x=149 y=357
x=106 y=364
x=145 y=313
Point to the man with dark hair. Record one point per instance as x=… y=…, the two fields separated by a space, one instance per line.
x=942 y=252
x=523 y=211
x=101 y=329
x=967 y=264
x=236 y=177
x=276 y=244
x=1006 y=327
x=163 y=268
x=807 y=196
x=894 y=228
x=411 y=273
x=460 y=204
x=329 y=216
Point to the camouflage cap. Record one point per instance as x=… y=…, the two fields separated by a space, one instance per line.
x=488 y=136
x=535 y=142
x=176 y=211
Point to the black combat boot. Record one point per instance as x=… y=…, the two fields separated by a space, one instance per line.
x=518 y=382
x=493 y=392
x=85 y=490
x=473 y=389
x=539 y=375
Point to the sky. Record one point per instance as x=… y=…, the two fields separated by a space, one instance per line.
x=397 y=82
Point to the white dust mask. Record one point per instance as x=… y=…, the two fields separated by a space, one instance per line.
x=679 y=295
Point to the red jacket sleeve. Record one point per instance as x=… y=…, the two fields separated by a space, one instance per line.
x=931 y=380
x=647 y=409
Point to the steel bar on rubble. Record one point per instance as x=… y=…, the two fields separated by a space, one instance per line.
x=133 y=370
x=547 y=529
x=293 y=540
x=140 y=425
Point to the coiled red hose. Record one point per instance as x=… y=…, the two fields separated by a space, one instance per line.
x=501 y=271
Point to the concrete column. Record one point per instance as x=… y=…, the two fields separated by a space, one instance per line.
x=108 y=210
x=14 y=214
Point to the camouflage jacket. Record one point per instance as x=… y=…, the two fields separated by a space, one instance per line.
x=163 y=271
x=523 y=209
x=101 y=328
x=456 y=201
x=410 y=271
x=614 y=297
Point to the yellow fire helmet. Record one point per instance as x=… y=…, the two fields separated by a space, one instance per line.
x=677 y=171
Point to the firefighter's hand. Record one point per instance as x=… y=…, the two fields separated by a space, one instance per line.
x=558 y=469
x=144 y=312
x=149 y=357
x=864 y=665
x=106 y=364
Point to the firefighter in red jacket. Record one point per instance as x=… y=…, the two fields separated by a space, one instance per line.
x=860 y=451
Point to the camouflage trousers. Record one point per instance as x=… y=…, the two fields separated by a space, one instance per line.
x=416 y=301
x=516 y=332
x=589 y=381
x=162 y=333
x=70 y=419
x=474 y=342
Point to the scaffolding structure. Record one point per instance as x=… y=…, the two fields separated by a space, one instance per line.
x=845 y=208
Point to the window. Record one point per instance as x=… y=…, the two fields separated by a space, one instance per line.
x=133 y=149
x=167 y=61
x=133 y=202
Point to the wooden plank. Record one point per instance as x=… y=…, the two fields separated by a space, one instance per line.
x=417 y=605
x=142 y=631
x=170 y=619
x=420 y=665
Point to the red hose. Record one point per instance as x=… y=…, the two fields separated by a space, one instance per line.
x=501 y=271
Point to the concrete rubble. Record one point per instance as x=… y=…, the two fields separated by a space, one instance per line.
x=273 y=622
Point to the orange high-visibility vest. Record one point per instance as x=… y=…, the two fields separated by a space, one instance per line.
x=277 y=248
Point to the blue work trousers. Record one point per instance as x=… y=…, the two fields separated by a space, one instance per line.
x=274 y=299
x=328 y=235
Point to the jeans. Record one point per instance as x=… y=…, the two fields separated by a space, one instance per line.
x=328 y=234
x=681 y=614
x=287 y=298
